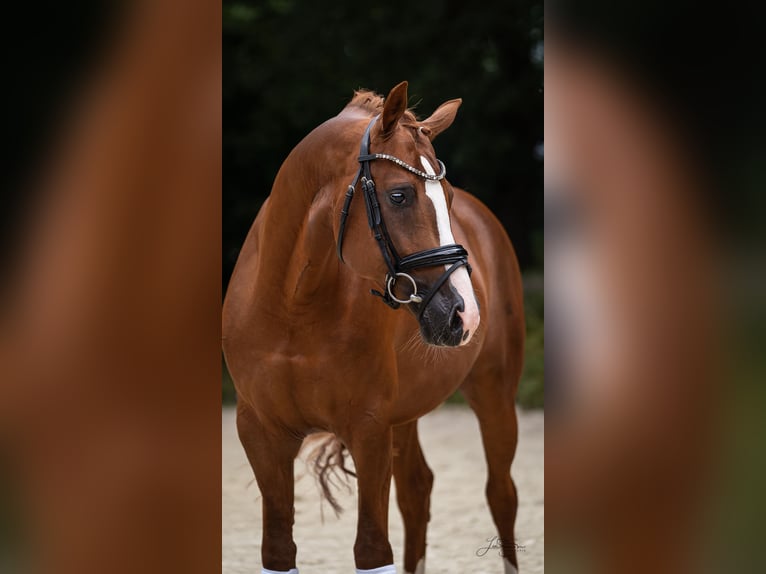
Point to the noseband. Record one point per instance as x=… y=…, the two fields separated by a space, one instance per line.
x=453 y=255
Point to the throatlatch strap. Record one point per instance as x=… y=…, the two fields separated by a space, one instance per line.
x=364 y=167
x=343 y=217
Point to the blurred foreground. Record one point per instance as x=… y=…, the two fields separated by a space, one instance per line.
x=655 y=435
x=110 y=330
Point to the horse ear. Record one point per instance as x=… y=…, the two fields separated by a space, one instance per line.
x=441 y=119
x=393 y=109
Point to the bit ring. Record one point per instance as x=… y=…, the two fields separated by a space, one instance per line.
x=414 y=297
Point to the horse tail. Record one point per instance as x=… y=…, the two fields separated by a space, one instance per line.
x=328 y=463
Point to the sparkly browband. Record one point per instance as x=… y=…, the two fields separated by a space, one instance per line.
x=408 y=167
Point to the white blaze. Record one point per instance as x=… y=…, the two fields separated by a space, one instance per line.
x=460 y=279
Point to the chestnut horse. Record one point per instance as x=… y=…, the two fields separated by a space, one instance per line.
x=310 y=349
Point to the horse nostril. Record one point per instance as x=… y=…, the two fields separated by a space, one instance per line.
x=465 y=335
x=456 y=323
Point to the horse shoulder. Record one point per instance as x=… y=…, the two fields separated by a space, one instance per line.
x=239 y=292
x=496 y=269
x=484 y=236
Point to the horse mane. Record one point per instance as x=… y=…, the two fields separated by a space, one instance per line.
x=372 y=103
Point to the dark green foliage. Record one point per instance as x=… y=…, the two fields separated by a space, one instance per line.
x=289 y=66
x=531 y=392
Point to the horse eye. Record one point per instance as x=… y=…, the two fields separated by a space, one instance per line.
x=397 y=197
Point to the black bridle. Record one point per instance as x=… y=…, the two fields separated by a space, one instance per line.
x=454 y=255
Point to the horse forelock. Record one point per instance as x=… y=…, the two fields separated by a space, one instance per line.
x=372 y=103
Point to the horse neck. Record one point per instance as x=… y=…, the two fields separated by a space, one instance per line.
x=297 y=251
x=297 y=262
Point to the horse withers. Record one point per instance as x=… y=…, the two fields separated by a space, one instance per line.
x=367 y=291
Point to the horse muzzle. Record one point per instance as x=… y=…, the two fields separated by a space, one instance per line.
x=440 y=321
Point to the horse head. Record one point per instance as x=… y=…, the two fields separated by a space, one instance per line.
x=408 y=203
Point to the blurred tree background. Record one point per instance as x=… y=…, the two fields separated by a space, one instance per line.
x=290 y=65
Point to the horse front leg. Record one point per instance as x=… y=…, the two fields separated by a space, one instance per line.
x=492 y=399
x=272 y=454
x=414 y=481
x=370 y=445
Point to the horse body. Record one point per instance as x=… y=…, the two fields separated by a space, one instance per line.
x=309 y=349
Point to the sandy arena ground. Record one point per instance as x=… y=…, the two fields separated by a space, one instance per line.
x=460 y=520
